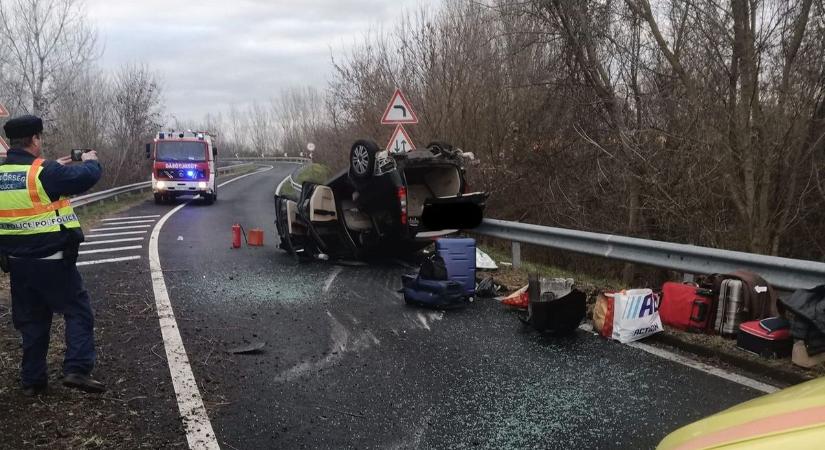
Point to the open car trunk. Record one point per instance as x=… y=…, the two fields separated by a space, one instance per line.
x=429 y=182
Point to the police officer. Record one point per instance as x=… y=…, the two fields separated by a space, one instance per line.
x=39 y=239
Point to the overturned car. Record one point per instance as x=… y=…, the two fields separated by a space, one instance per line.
x=382 y=205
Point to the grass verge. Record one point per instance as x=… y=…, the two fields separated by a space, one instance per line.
x=315 y=173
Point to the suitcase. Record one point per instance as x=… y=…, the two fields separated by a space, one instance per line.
x=437 y=294
x=687 y=307
x=460 y=258
x=756 y=338
x=729 y=312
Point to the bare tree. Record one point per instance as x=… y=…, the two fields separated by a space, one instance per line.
x=48 y=43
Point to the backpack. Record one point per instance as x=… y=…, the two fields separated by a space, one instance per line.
x=433 y=268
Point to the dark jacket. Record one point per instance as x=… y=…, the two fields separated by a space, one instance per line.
x=808 y=321
x=58 y=181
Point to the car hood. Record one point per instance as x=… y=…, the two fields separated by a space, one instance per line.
x=791 y=418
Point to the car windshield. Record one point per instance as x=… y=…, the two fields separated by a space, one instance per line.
x=181 y=151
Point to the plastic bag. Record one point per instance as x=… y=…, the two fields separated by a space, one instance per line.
x=635 y=315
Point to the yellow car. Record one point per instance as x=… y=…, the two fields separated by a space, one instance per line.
x=793 y=418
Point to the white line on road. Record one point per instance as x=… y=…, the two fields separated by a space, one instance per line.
x=112 y=219
x=106 y=261
x=694 y=364
x=331 y=278
x=111 y=241
x=199 y=432
x=131 y=227
x=112 y=249
x=122 y=233
x=707 y=368
x=129 y=222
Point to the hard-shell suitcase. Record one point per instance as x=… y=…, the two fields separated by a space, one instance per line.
x=767 y=342
x=438 y=294
x=460 y=258
x=687 y=307
x=730 y=309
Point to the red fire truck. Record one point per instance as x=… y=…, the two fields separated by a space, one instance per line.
x=183 y=164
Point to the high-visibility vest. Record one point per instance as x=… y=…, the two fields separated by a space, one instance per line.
x=25 y=208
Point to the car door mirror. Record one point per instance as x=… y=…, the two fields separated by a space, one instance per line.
x=214 y=152
x=148 y=151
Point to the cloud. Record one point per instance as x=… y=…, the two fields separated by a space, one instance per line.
x=211 y=54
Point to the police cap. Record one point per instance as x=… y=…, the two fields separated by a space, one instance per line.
x=23 y=127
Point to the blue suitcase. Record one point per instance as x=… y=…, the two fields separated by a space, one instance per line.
x=460 y=258
x=437 y=294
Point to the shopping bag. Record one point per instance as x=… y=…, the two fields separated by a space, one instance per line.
x=635 y=315
x=603 y=314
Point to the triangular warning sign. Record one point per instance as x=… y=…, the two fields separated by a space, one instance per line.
x=400 y=141
x=3 y=111
x=399 y=110
x=3 y=147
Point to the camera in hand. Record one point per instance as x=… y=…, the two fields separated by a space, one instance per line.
x=77 y=153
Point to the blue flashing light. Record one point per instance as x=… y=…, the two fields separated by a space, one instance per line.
x=190 y=173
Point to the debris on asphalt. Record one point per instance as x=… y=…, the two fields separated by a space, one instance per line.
x=249 y=349
x=489 y=288
x=484 y=262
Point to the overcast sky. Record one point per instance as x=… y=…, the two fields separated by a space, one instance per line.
x=213 y=53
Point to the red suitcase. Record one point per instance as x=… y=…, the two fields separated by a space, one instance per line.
x=768 y=342
x=687 y=307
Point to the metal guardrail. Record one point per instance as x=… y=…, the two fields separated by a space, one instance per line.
x=783 y=273
x=87 y=199
x=290 y=159
x=295 y=185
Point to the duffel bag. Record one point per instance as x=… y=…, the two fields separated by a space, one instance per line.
x=439 y=294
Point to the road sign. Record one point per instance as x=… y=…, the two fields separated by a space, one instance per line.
x=400 y=141
x=3 y=111
x=399 y=110
x=311 y=147
x=3 y=147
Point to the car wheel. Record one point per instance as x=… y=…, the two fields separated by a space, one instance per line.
x=362 y=159
x=209 y=198
x=158 y=199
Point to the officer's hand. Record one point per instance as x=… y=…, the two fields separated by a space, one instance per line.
x=89 y=156
x=63 y=160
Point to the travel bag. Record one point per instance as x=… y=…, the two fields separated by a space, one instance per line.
x=687 y=307
x=438 y=294
x=730 y=309
x=460 y=258
x=769 y=338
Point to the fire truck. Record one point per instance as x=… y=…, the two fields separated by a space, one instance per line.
x=183 y=164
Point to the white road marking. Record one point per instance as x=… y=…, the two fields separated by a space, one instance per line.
x=112 y=219
x=199 y=433
x=281 y=184
x=698 y=365
x=111 y=241
x=108 y=250
x=106 y=261
x=129 y=222
x=130 y=227
x=265 y=169
x=331 y=279
x=123 y=233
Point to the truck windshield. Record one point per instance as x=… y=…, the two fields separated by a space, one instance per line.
x=181 y=151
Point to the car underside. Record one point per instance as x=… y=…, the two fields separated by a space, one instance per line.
x=382 y=205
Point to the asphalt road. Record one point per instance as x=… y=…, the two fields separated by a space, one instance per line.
x=348 y=365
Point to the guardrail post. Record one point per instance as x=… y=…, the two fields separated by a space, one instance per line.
x=516 y=255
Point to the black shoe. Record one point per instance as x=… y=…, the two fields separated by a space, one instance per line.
x=35 y=390
x=84 y=383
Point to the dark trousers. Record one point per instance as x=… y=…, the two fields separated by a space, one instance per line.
x=39 y=289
